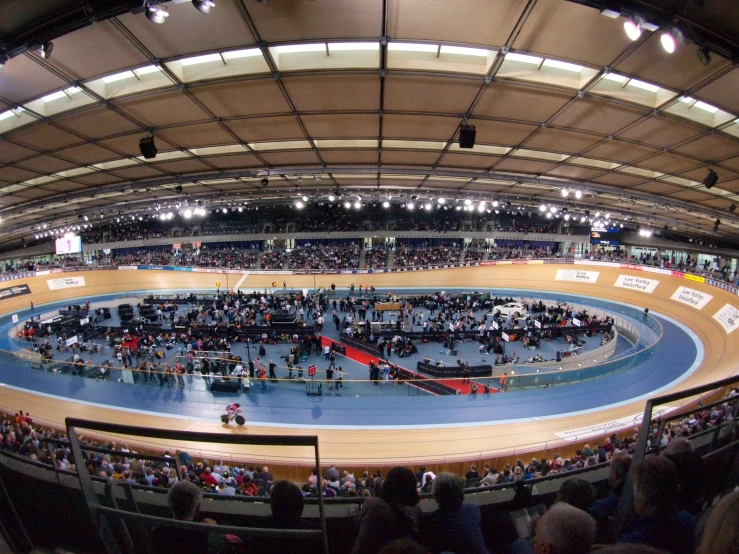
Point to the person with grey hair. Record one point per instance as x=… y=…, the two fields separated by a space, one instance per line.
x=564 y=529
x=455 y=526
x=184 y=499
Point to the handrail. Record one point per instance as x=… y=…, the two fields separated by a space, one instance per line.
x=98 y=511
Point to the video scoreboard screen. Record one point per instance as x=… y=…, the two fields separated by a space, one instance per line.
x=606 y=236
x=69 y=245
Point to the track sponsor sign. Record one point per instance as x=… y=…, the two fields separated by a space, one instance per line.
x=691 y=297
x=66 y=282
x=577 y=275
x=728 y=317
x=636 y=283
x=609 y=427
x=11 y=292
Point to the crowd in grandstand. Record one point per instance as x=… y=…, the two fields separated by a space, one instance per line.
x=228 y=258
x=143 y=257
x=662 y=496
x=418 y=257
x=475 y=252
x=273 y=259
x=325 y=257
x=376 y=257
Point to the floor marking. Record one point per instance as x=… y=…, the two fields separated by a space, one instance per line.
x=236 y=287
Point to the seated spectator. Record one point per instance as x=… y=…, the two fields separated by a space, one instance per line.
x=603 y=510
x=690 y=474
x=184 y=499
x=660 y=523
x=562 y=530
x=721 y=534
x=455 y=526
x=392 y=514
x=578 y=493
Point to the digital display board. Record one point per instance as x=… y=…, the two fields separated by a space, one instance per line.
x=606 y=236
x=69 y=245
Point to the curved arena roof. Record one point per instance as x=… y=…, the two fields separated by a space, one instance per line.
x=367 y=97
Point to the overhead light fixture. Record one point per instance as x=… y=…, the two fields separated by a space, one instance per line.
x=331 y=198
x=299 y=205
x=578 y=194
x=46 y=49
x=565 y=193
x=441 y=200
x=715 y=225
x=157 y=13
x=386 y=204
x=467 y=202
x=305 y=198
x=668 y=42
x=543 y=208
x=178 y=189
x=347 y=205
x=203 y=6
x=264 y=181
x=428 y=207
x=411 y=206
x=704 y=55
x=357 y=205
x=187 y=213
x=633 y=29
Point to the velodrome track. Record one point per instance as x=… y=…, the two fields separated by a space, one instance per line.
x=366 y=446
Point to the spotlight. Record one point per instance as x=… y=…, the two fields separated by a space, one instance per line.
x=203 y=6
x=188 y=213
x=225 y=210
x=495 y=203
x=704 y=55
x=264 y=181
x=386 y=204
x=148 y=148
x=710 y=179
x=347 y=205
x=467 y=135
x=299 y=205
x=157 y=13
x=428 y=207
x=47 y=47
x=633 y=29
x=578 y=194
x=331 y=198
x=305 y=198
x=565 y=193
x=668 y=42
x=715 y=225
x=411 y=206
x=467 y=202
x=542 y=208
x=357 y=205
x=178 y=189
x=441 y=200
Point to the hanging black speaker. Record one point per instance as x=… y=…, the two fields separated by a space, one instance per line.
x=467 y=134
x=710 y=179
x=148 y=149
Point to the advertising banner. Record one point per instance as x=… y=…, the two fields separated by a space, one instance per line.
x=66 y=283
x=577 y=275
x=691 y=297
x=636 y=283
x=12 y=292
x=728 y=317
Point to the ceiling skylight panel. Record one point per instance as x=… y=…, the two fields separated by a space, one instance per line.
x=435 y=57
x=280 y=145
x=237 y=54
x=12 y=119
x=6 y=115
x=207 y=58
x=701 y=112
x=414 y=144
x=548 y=71
x=353 y=46
x=53 y=96
x=615 y=77
x=481 y=148
x=706 y=107
x=165 y=156
x=118 y=77
x=347 y=143
x=539 y=155
x=340 y=55
x=412 y=47
x=523 y=58
x=464 y=51
x=566 y=66
x=642 y=85
x=146 y=70
x=215 y=150
x=298 y=48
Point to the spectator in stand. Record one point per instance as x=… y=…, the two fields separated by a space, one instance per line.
x=455 y=526
x=604 y=510
x=721 y=534
x=562 y=530
x=578 y=493
x=660 y=524
x=184 y=499
x=392 y=514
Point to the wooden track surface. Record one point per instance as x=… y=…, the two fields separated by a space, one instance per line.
x=359 y=447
